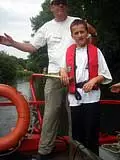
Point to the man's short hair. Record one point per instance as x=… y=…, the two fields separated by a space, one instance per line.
x=57 y=2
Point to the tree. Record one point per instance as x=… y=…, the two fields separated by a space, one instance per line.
x=40 y=58
x=44 y=16
x=7 y=68
x=104 y=15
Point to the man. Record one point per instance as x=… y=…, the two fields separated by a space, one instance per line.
x=56 y=34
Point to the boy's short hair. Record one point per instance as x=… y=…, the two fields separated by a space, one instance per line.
x=77 y=22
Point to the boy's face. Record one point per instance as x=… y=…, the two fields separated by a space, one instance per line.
x=80 y=35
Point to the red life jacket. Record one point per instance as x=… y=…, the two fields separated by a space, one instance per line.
x=92 y=64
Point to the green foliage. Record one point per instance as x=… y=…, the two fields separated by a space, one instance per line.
x=7 y=68
x=40 y=60
x=32 y=66
x=21 y=73
x=43 y=16
x=12 y=68
x=21 y=62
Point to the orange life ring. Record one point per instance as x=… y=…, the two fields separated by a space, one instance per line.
x=12 y=138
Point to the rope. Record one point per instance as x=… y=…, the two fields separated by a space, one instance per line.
x=33 y=122
x=12 y=150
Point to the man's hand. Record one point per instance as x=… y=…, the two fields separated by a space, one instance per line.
x=64 y=76
x=115 y=88
x=6 y=40
x=92 y=34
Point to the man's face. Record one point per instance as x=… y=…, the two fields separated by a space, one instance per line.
x=79 y=34
x=59 y=10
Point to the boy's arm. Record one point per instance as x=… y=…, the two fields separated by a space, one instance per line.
x=91 y=83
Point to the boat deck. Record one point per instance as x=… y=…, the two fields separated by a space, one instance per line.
x=18 y=156
x=104 y=155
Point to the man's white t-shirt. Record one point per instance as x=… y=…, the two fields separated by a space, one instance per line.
x=58 y=38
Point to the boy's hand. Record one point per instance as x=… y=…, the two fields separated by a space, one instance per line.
x=93 y=82
x=87 y=87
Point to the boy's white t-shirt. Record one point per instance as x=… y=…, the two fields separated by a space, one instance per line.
x=57 y=36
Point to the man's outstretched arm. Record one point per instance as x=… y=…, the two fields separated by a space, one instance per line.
x=8 y=41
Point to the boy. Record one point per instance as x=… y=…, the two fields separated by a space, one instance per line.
x=86 y=69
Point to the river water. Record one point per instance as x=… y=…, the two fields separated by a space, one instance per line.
x=8 y=115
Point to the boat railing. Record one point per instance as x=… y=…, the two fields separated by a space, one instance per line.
x=38 y=102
